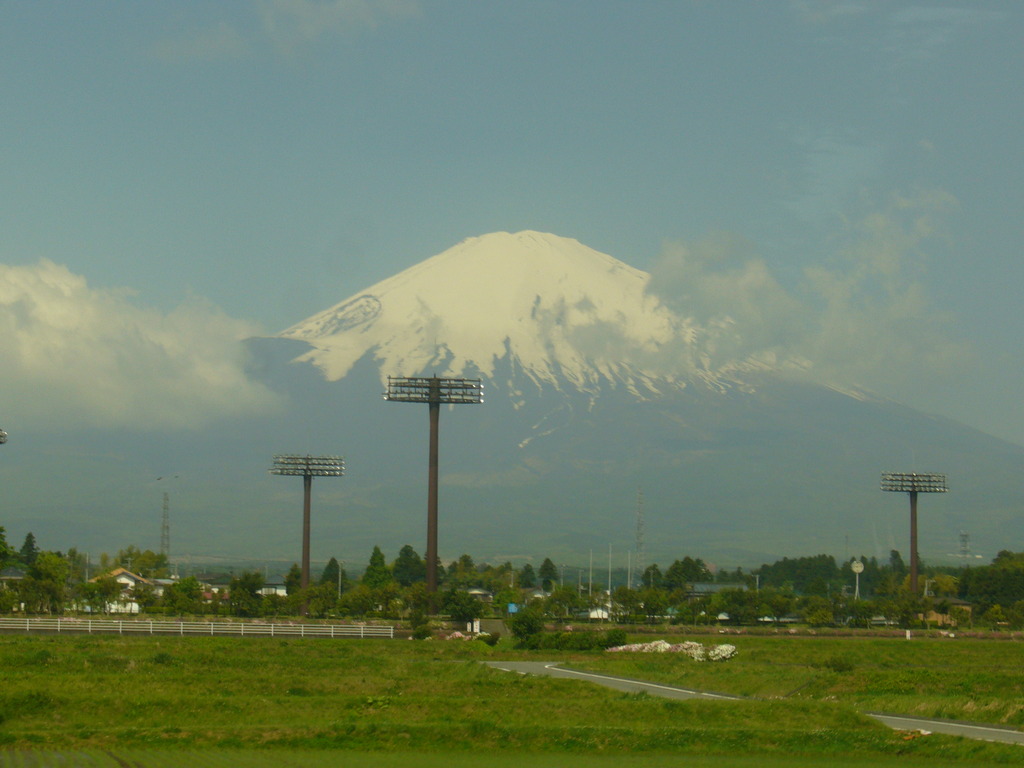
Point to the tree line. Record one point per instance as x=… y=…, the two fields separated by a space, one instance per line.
x=816 y=590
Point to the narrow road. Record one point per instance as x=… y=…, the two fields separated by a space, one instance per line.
x=552 y=669
x=901 y=723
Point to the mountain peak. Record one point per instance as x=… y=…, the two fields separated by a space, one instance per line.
x=560 y=311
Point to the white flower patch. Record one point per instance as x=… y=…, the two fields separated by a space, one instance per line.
x=694 y=650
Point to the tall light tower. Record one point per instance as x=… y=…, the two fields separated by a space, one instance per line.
x=433 y=391
x=913 y=483
x=307 y=467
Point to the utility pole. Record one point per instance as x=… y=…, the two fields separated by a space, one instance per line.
x=165 y=527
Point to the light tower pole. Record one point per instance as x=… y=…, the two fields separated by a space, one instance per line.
x=307 y=467
x=433 y=391
x=913 y=483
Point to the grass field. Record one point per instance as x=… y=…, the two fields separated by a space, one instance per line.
x=232 y=702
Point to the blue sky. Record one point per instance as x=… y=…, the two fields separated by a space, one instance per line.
x=179 y=175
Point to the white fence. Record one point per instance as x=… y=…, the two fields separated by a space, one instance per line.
x=221 y=628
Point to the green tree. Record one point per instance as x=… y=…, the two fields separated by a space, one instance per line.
x=46 y=582
x=7 y=553
x=358 y=601
x=461 y=605
x=408 y=567
x=335 y=575
x=99 y=594
x=377 y=573
x=29 y=550
x=322 y=599
x=563 y=602
x=626 y=603
x=527 y=577
x=684 y=572
x=293 y=580
x=244 y=596
x=146 y=563
x=548 y=575
x=526 y=624
x=651 y=578
x=183 y=597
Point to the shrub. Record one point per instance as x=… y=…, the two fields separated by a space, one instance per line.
x=614 y=637
x=526 y=624
x=422 y=632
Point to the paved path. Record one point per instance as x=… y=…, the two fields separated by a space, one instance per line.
x=553 y=669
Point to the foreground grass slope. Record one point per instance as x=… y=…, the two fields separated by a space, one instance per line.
x=183 y=694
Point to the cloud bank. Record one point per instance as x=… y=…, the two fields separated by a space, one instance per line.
x=286 y=26
x=74 y=356
x=859 y=316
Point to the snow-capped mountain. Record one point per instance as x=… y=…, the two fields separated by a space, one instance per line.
x=595 y=389
x=566 y=314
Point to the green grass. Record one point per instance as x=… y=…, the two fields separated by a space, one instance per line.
x=307 y=702
x=957 y=679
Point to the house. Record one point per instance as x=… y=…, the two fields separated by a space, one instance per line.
x=10 y=575
x=129 y=583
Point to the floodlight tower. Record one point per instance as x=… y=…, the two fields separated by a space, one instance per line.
x=433 y=391
x=913 y=483
x=307 y=467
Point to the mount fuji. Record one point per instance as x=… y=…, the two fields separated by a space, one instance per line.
x=602 y=403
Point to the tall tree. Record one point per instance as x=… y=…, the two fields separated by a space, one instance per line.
x=377 y=573
x=548 y=574
x=293 y=580
x=29 y=551
x=335 y=575
x=409 y=567
x=6 y=550
x=651 y=578
x=527 y=577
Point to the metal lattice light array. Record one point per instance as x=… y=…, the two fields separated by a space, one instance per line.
x=307 y=467
x=314 y=466
x=914 y=483
x=433 y=391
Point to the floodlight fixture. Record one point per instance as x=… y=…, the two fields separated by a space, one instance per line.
x=307 y=467
x=433 y=391
x=914 y=483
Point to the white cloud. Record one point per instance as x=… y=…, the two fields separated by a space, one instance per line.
x=292 y=22
x=862 y=316
x=77 y=356
x=721 y=288
x=284 y=25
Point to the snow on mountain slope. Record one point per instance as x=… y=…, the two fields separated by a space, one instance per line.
x=560 y=311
